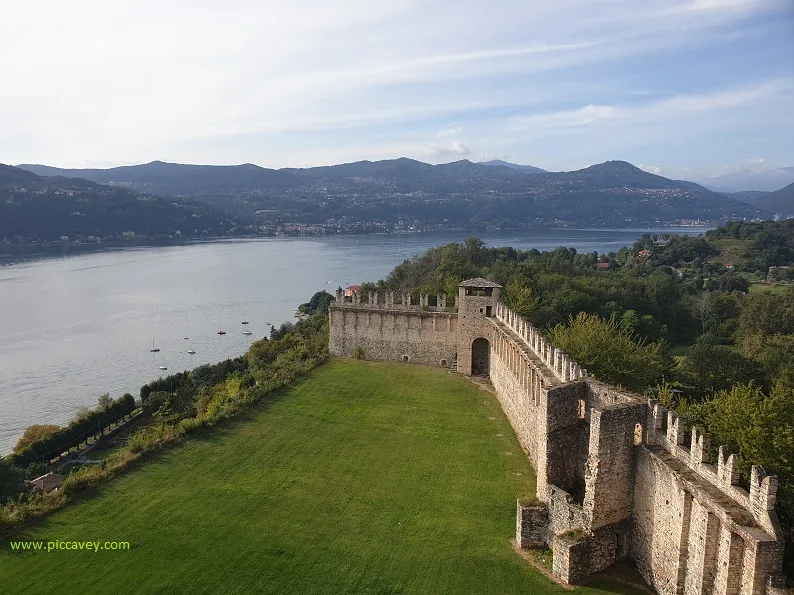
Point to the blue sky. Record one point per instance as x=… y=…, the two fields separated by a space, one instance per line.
x=685 y=88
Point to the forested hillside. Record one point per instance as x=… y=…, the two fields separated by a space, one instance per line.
x=39 y=209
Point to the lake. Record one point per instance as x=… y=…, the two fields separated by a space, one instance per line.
x=78 y=326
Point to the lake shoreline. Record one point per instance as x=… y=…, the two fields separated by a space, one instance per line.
x=20 y=253
x=82 y=323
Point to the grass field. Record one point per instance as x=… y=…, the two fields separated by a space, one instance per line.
x=774 y=288
x=363 y=478
x=731 y=250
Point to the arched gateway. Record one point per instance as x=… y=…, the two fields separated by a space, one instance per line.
x=480 y=357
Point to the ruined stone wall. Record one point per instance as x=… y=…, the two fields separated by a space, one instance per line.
x=695 y=531
x=519 y=389
x=609 y=478
x=662 y=512
x=577 y=556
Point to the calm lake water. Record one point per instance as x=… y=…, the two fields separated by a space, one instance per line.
x=79 y=326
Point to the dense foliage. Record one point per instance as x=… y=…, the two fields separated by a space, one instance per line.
x=37 y=209
x=89 y=425
x=611 y=349
x=33 y=434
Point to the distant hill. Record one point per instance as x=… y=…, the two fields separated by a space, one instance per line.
x=175 y=179
x=767 y=180
x=397 y=192
x=527 y=169
x=36 y=208
x=748 y=196
x=779 y=203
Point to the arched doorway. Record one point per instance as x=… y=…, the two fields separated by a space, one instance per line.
x=480 y=357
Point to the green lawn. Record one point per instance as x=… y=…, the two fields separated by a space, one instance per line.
x=363 y=478
x=774 y=288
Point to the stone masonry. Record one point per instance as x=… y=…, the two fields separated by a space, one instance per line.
x=614 y=476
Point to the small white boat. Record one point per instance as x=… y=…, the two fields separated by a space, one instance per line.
x=163 y=367
x=191 y=351
x=247 y=333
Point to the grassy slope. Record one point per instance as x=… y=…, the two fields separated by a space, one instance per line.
x=774 y=288
x=731 y=250
x=366 y=478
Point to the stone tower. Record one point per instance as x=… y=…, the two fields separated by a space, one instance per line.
x=477 y=300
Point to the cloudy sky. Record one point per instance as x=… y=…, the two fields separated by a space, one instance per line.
x=685 y=88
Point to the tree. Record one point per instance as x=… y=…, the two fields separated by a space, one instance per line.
x=104 y=402
x=12 y=482
x=33 y=434
x=708 y=368
x=156 y=400
x=81 y=414
x=611 y=353
x=320 y=302
x=520 y=298
x=165 y=414
x=767 y=314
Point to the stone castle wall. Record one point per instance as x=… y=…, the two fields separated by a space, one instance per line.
x=399 y=331
x=612 y=468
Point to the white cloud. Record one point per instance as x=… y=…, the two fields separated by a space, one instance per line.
x=734 y=5
x=676 y=106
x=454 y=149
x=651 y=169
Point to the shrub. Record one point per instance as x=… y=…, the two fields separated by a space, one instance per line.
x=612 y=353
x=358 y=352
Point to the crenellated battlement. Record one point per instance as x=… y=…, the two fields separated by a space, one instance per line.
x=560 y=364
x=393 y=301
x=725 y=475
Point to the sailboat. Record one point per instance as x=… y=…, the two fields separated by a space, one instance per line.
x=191 y=351
x=221 y=331
x=154 y=349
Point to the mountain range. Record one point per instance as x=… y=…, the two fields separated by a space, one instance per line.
x=403 y=193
